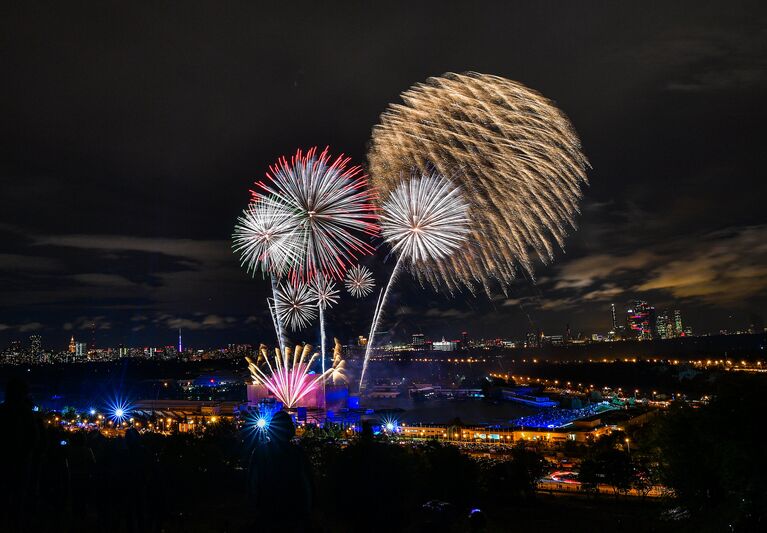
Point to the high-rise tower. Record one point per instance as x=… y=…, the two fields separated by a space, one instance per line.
x=179 y=341
x=678 y=328
x=641 y=319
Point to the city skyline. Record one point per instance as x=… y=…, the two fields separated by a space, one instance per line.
x=639 y=321
x=122 y=184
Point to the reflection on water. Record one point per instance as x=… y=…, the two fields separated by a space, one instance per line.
x=442 y=411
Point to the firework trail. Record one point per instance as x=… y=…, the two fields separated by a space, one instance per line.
x=331 y=205
x=515 y=155
x=424 y=219
x=286 y=375
x=295 y=304
x=359 y=281
x=324 y=291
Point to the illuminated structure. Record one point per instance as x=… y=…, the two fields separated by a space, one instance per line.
x=72 y=345
x=418 y=341
x=678 y=328
x=81 y=349
x=640 y=318
x=664 y=326
x=445 y=346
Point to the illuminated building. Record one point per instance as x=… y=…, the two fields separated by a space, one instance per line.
x=678 y=328
x=615 y=320
x=445 y=346
x=72 y=345
x=664 y=326
x=419 y=341
x=81 y=349
x=640 y=318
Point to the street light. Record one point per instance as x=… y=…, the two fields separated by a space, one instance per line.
x=628 y=446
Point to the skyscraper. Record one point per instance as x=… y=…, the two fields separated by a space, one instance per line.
x=615 y=319
x=179 y=341
x=419 y=341
x=72 y=345
x=664 y=326
x=678 y=328
x=640 y=318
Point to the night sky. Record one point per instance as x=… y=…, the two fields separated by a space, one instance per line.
x=130 y=136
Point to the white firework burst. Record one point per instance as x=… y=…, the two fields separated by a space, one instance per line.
x=425 y=218
x=332 y=208
x=359 y=281
x=295 y=304
x=266 y=238
x=324 y=291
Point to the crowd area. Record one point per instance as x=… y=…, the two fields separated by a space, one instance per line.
x=557 y=417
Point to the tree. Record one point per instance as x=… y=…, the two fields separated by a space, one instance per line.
x=618 y=470
x=590 y=476
x=713 y=457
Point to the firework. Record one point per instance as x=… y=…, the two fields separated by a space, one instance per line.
x=425 y=218
x=295 y=304
x=359 y=281
x=266 y=238
x=324 y=291
x=515 y=155
x=331 y=207
x=286 y=375
x=338 y=369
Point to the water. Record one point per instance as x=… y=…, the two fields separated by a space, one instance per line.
x=443 y=411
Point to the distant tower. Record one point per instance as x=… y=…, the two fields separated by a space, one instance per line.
x=72 y=345
x=93 y=336
x=615 y=321
x=641 y=319
x=179 y=341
